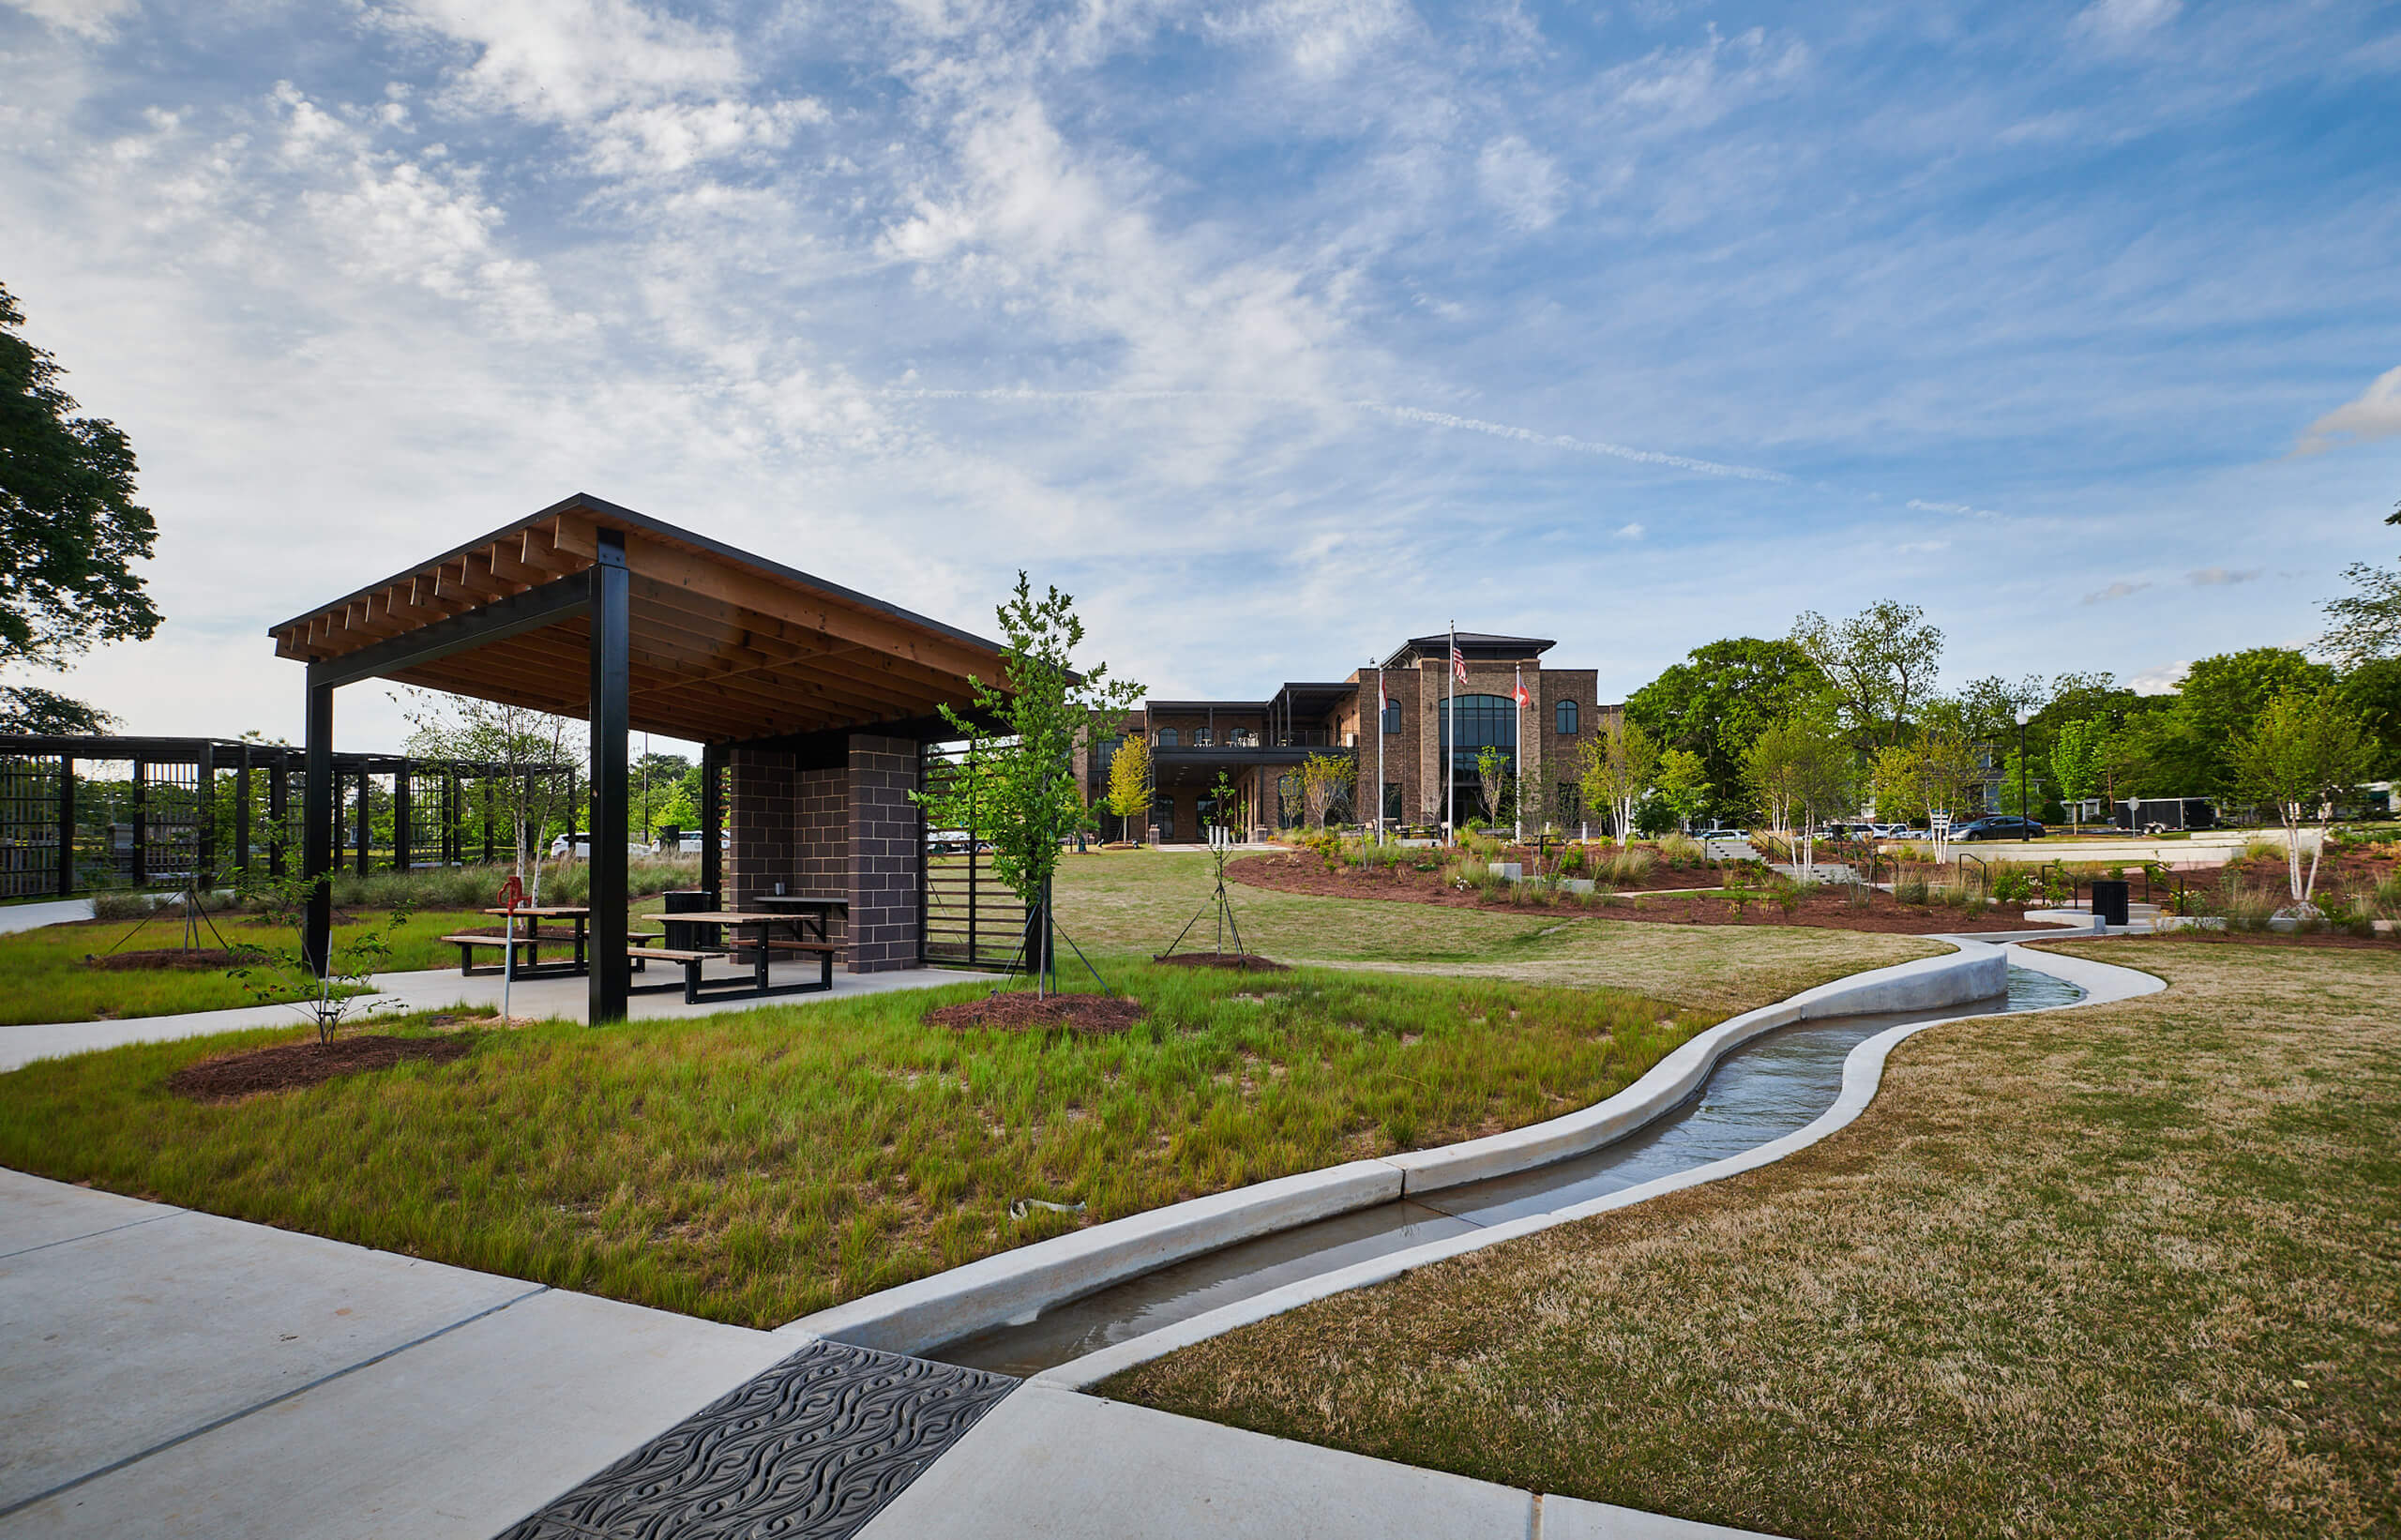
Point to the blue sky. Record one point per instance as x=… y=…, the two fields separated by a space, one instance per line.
x=1274 y=331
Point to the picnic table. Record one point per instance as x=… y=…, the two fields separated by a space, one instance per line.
x=817 y=910
x=751 y=933
x=530 y=940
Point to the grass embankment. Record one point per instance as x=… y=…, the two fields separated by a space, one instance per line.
x=45 y=978
x=755 y=1166
x=2127 y=1269
x=1132 y=902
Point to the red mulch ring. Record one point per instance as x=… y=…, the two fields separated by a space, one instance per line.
x=287 y=1066
x=1241 y=962
x=1018 y=1010
x=1831 y=911
x=196 y=959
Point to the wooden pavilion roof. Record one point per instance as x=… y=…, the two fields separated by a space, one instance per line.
x=725 y=646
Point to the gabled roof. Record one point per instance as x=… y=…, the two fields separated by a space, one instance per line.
x=1483 y=645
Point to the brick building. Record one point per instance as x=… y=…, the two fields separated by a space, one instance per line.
x=1256 y=747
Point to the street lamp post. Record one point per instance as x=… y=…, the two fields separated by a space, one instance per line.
x=2024 y=819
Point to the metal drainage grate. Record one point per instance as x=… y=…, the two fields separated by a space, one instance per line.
x=810 y=1450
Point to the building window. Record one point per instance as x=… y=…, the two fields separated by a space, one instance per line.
x=1480 y=721
x=1392 y=716
x=1392 y=801
x=1567 y=719
x=1201 y=737
x=1167 y=737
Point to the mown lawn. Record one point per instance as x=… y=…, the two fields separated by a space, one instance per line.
x=44 y=977
x=2129 y=1270
x=755 y=1166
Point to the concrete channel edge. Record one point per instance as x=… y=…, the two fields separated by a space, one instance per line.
x=995 y=1290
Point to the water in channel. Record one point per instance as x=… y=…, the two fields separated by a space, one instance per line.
x=1767 y=1088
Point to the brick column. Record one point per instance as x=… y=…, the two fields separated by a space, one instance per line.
x=760 y=809
x=886 y=854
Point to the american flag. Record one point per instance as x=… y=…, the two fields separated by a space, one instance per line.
x=1458 y=662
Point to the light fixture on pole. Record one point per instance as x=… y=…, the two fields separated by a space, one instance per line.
x=2024 y=819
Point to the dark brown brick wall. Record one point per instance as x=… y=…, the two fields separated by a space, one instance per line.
x=886 y=853
x=761 y=805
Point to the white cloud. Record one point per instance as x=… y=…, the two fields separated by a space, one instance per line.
x=2119 y=22
x=2213 y=576
x=1520 y=181
x=1629 y=532
x=563 y=60
x=2162 y=680
x=2376 y=415
x=92 y=18
x=1319 y=38
x=1964 y=511
x=2115 y=591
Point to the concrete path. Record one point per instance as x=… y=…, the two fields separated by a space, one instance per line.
x=440 y=989
x=14 y=917
x=164 y=1373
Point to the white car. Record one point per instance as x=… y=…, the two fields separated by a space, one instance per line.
x=583 y=846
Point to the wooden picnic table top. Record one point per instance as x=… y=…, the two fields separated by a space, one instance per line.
x=547 y=912
x=795 y=900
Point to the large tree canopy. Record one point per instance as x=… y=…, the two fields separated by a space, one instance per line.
x=1721 y=697
x=1881 y=665
x=69 y=529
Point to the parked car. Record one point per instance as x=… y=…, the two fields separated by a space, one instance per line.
x=583 y=846
x=1997 y=826
x=1721 y=834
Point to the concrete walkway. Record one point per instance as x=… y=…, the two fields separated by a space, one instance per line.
x=440 y=988
x=15 y=917
x=169 y=1373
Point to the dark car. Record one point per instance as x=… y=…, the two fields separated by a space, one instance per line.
x=1998 y=827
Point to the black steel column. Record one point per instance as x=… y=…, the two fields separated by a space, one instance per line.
x=242 y=811
x=713 y=824
x=140 y=824
x=279 y=812
x=611 y=620
x=66 y=827
x=365 y=834
x=487 y=851
x=204 y=822
x=404 y=805
x=317 y=830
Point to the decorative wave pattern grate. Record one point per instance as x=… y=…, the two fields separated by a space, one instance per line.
x=810 y=1450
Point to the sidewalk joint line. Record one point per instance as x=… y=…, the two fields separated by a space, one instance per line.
x=70 y=1240
x=276 y=1399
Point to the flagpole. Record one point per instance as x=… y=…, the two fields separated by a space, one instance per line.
x=1448 y=738
x=1521 y=700
x=1380 y=755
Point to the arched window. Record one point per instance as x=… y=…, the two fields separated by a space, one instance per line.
x=1567 y=719
x=1167 y=737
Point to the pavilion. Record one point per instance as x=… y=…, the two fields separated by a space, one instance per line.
x=813 y=700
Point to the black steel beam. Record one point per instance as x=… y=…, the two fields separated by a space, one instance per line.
x=608 y=708
x=713 y=822
x=562 y=598
x=66 y=827
x=317 y=830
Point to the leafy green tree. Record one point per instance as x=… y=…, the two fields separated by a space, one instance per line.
x=654 y=783
x=1682 y=786
x=2366 y=625
x=2373 y=692
x=1617 y=771
x=69 y=529
x=1019 y=780
x=1325 y=782
x=1491 y=773
x=1881 y=665
x=1129 y=782
x=24 y=708
x=1717 y=699
x=1800 y=771
x=2076 y=758
x=2302 y=753
x=1932 y=770
x=2021 y=790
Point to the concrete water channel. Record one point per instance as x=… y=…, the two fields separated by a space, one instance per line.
x=1769 y=1087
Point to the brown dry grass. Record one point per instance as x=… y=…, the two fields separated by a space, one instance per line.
x=2130 y=1270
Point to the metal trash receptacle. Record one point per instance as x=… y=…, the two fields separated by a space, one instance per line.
x=2109 y=900
x=685 y=935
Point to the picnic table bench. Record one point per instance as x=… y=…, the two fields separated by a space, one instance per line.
x=528 y=944
x=758 y=949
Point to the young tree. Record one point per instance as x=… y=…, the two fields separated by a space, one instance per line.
x=2303 y=752
x=2077 y=756
x=1617 y=771
x=1129 y=782
x=1800 y=771
x=1326 y=780
x=1491 y=770
x=1881 y=665
x=69 y=529
x=537 y=756
x=1682 y=785
x=1019 y=777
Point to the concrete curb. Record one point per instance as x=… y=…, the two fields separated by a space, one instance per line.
x=1013 y=1285
x=1862 y=1072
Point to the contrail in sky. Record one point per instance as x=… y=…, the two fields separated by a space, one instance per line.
x=1398 y=414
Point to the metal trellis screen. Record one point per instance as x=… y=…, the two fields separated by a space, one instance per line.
x=970 y=917
x=29 y=824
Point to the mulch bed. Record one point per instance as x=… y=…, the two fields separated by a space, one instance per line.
x=1015 y=1010
x=195 y=960
x=1241 y=962
x=1309 y=874
x=287 y=1066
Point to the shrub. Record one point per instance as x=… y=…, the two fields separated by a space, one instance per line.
x=1680 y=850
x=1626 y=866
x=1910 y=888
x=2012 y=884
x=1572 y=861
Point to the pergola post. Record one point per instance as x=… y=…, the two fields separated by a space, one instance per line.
x=66 y=827
x=140 y=824
x=242 y=811
x=403 y=809
x=279 y=812
x=611 y=619
x=713 y=822
x=365 y=834
x=317 y=829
